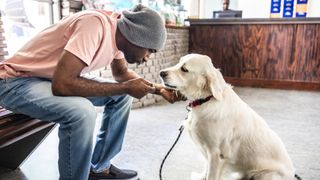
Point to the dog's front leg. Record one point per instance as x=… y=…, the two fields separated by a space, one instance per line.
x=203 y=175
x=199 y=176
x=215 y=164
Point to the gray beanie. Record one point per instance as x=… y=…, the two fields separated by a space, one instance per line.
x=143 y=27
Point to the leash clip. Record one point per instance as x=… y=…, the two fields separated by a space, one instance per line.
x=188 y=108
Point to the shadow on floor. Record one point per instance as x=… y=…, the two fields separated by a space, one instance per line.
x=12 y=174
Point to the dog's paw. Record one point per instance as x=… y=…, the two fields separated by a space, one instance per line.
x=198 y=176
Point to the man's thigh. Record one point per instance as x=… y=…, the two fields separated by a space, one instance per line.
x=33 y=97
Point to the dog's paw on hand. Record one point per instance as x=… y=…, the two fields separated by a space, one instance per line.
x=171 y=95
x=168 y=94
x=180 y=96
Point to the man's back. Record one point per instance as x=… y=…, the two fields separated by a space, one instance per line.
x=83 y=34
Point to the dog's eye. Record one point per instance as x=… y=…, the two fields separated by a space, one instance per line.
x=184 y=69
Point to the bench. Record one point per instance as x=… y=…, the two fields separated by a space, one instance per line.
x=20 y=135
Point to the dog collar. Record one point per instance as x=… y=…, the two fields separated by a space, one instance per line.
x=198 y=102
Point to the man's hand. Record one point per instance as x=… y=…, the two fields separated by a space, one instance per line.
x=169 y=94
x=138 y=87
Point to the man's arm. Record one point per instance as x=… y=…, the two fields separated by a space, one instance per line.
x=121 y=72
x=67 y=82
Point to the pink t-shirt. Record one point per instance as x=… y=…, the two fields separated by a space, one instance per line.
x=89 y=35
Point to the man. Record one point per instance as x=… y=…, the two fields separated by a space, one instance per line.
x=43 y=80
x=225 y=5
x=226 y=12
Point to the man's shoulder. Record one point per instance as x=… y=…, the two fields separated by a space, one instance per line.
x=104 y=17
x=90 y=13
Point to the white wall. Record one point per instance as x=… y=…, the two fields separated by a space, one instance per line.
x=211 y=6
x=252 y=8
x=193 y=8
x=216 y=5
x=314 y=8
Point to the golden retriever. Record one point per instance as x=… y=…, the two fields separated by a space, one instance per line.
x=235 y=141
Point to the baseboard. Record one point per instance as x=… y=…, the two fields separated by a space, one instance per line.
x=276 y=84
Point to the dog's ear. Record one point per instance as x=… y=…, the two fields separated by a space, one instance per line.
x=214 y=83
x=202 y=82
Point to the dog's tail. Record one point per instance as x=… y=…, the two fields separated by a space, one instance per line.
x=297 y=177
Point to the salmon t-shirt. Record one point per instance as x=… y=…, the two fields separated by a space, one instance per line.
x=89 y=35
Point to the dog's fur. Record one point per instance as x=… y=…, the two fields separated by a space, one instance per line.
x=232 y=137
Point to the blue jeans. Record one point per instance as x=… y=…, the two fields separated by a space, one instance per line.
x=76 y=117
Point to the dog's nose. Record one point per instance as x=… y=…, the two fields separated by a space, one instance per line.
x=163 y=74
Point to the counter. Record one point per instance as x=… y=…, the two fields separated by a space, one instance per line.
x=275 y=53
x=255 y=21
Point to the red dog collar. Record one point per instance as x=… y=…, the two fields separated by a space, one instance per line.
x=198 y=102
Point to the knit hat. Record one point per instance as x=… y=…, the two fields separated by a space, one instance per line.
x=143 y=27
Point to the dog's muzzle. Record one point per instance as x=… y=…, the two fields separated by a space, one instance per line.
x=163 y=75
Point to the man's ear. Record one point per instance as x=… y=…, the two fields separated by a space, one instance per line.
x=214 y=84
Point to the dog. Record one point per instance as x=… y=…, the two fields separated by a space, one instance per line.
x=235 y=141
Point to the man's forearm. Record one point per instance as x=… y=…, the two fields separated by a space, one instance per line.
x=126 y=76
x=84 y=87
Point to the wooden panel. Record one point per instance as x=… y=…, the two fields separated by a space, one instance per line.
x=218 y=43
x=247 y=51
x=266 y=50
x=278 y=84
x=276 y=52
x=305 y=64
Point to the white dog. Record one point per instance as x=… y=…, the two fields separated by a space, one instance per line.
x=233 y=138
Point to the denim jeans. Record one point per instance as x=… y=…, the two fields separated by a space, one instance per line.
x=76 y=117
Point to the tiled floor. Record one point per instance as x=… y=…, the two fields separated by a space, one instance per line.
x=294 y=115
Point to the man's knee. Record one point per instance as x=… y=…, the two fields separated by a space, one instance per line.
x=83 y=111
x=128 y=99
x=86 y=111
x=123 y=100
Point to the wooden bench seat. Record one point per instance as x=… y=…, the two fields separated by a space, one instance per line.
x=19 y=137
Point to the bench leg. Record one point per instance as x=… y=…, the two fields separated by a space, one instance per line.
x=14 y=155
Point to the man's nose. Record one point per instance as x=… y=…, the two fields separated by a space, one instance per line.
x=163 y=74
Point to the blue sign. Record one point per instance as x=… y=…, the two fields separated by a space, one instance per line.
x=301 y=8
x=275 y=6
x=302 y=1
x=288 y=7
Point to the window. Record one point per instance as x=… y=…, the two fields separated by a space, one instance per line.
x=23 y=19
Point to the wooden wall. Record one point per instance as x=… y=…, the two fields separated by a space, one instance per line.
x=267 y=53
